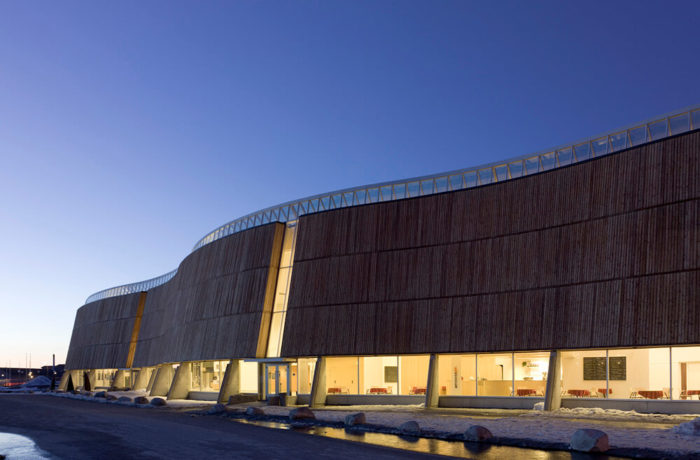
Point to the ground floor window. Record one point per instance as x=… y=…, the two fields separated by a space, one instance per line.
x=493 y=374
x=248 y=377
x=635 y=373
x=377 y=375
x=685 y=372
x=104 y=377
x=207 y=375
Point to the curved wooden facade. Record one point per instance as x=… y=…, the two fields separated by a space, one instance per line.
x=216 y=306
x=102 y=333
x=604 y=253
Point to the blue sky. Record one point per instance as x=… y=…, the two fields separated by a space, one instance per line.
x=128 y=130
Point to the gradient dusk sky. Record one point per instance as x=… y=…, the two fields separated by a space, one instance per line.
x=129 y=129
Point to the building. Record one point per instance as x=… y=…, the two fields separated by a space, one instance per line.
x=569 y=276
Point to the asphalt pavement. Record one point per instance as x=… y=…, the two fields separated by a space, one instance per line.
x=74 y=429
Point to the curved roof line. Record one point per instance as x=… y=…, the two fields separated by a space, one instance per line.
x=677 y=122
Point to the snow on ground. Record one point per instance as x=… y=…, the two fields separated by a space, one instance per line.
x=554 y=427
x=612 y=414
x=170 y=403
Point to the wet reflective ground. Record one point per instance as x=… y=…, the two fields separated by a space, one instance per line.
x=435 y=446
x=16 y=447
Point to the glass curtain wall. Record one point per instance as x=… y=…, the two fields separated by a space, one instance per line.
x=685 y=373
x=207 y=375
x=104 y=377
x=248 y=377
x=377 y=375
x=413 y=374
x=493 y=374
x=457 y=375
x=530 y=373
x=284 y=275
x=638 y=373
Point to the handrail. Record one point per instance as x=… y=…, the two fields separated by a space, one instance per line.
x=132 y=288
x=660 y=127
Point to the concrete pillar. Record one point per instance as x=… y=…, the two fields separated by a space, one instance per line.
x=152 y=378
x=432 y=392
x=552 y=398
x=67 y=375
x=318 y=387
x=162 y=380
x=142 y=378
x=92 y=375
x=181 y=382
x=118 y=382
x=231 y=384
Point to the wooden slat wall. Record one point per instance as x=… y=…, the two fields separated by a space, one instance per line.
x=213 y=307
x=599 y=254
x=102 y=332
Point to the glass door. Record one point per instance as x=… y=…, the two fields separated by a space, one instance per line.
x=277 y=379
x=271 y=380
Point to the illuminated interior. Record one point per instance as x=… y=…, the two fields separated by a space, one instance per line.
x=377 y=375
x=639 y=373
x=284 y=275
x=493 y=374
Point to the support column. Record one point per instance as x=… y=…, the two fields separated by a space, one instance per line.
x=67 y=375
x=151 y=379
x=162 y=380
x=552 y=399
x=92 y=375
x=318 y=387
x=142 y=378
x=181 y=382
x=118 y=382
x=231 y=384
x=432 y=391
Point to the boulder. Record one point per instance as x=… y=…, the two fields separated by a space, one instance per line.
x=110 y=397
x=301 y=413
x=216 y=409
x=158 y=402
x=589 y=440
x=100 y=394
x=252 y=410
x=411 y=428
x=141 y=400
x=355 y=419
x=477 y=433
x=691 y=428
x=125 y=399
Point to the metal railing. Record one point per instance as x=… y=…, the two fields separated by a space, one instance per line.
x=613 y=141
x=132 y=288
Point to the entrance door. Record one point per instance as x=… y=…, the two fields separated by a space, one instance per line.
x=277 y=379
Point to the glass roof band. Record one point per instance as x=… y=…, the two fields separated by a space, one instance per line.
x=676 y=122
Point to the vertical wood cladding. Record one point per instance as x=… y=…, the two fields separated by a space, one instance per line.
x=215 y=306
x=102 y=332
x=599 y=254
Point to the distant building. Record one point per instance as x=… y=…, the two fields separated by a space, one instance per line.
x=569 y=276
x=15 y=376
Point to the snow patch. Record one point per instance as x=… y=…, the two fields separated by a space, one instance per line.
x=691 y=428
